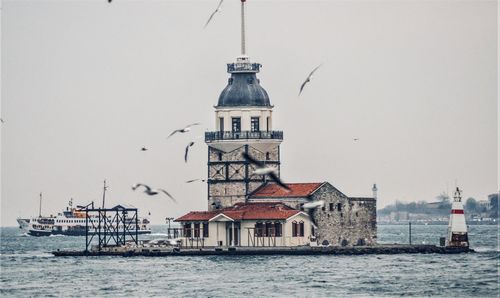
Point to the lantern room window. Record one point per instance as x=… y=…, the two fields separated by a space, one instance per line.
x=254 y=124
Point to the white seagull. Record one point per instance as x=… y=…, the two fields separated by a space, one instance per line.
x=183 y=130
x=213 y=13
x=263 y=170
x=194 y=180
x=311 y=207
x=308 y=79
x=152 y=191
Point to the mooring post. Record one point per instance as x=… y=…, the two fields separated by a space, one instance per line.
x=136 y=227
x=409 y=228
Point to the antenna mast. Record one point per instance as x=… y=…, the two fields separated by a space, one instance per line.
x=243 y=27
x=104 y=193
x=40 y=207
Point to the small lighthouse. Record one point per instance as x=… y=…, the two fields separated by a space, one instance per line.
x=457 y=228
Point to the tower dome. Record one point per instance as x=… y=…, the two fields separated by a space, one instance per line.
x=243 y=87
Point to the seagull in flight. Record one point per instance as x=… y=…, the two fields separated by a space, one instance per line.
x=1 y=120
x=194 y=180
x=187 y=151
x=183 y=130
x=213 y=13
x=144 y=149
x=263 y=170
x=309 y=77
x=311 y=207
x=152 y=191
x=356 y=139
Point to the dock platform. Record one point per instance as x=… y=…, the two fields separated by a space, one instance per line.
x=259 y=251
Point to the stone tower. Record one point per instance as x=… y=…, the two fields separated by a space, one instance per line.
x=243 y=123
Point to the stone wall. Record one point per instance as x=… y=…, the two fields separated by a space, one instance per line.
x=344 y=221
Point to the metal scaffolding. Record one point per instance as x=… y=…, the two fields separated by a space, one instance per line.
x=113 y=227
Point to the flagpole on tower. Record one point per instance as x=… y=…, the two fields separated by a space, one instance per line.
x=243 y=51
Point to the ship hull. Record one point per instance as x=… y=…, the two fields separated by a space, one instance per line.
x=40 y=233
x=23 y=223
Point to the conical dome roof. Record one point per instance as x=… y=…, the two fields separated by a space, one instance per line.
x=243 y=88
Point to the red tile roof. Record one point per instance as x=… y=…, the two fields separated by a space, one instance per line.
x=272 y=190
x=244 y=211
x=198 y=216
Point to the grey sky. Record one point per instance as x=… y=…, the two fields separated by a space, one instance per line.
x=86 y=84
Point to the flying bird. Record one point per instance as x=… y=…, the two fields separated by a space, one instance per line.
x=183 y=130
x=1 y=120
x=152 y=191
x=187 y=151
x=356 y=139
x=144 y=149
x=311 y=208
x=194 y=180
x=308 y=79
x=213 y=13
x=263 y=170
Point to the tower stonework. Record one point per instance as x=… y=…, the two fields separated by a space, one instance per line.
x=243 y=120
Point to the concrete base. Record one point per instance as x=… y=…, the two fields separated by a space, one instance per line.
x=240 y=251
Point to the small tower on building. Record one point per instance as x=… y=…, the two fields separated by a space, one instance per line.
x=374 y=190
x=243 y=123
x=457 y=228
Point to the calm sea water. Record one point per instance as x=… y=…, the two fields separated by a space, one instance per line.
x=29 y=270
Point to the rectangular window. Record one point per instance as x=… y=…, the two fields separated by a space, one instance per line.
x=294 y=229
x=331 y=207
x=254 y=124
x=267 y=123
x=221 y=124
x=301 y=229
x=236 y=124
x=197 y=230
x=205 y=230
x=187 y=230
x=269 y=229
x=259 y=229
x=277 y=229
x=339 y=207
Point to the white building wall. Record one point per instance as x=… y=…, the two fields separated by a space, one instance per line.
x=245 y=114
x=217 y=232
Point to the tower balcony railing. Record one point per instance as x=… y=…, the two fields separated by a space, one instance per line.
x=243 y=67
x=237 y=135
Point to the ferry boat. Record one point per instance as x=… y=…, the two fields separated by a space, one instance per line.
x=72 y=222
